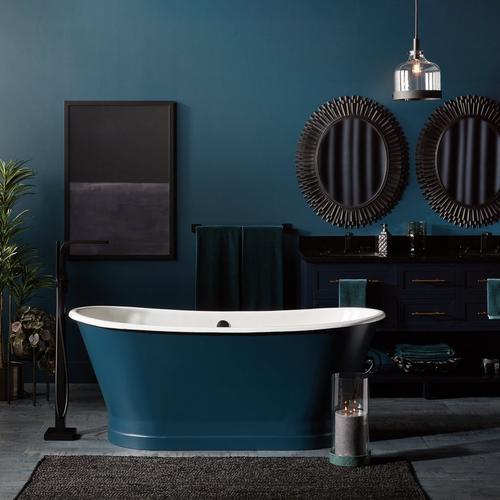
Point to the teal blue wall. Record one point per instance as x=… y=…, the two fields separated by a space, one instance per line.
x=246 y=75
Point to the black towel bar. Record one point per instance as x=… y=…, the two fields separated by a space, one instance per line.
x=287 y=228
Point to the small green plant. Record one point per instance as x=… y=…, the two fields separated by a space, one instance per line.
x=20 y=275
x=28 y=279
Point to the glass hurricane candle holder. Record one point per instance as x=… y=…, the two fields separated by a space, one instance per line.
x=350 y=419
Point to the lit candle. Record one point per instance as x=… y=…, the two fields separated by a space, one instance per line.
x=351 y=430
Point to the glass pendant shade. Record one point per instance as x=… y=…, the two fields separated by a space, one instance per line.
x=417 y=79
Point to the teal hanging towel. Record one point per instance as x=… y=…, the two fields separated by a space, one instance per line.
x=352 y=292
x=262 y=268
x=493 y=290
x=218 y=250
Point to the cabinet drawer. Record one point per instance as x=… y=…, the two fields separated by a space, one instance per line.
x=328 y=280
x=431 y=312
x=477 y=317
x=476 y=312
x=428 y=279
x=477 y=279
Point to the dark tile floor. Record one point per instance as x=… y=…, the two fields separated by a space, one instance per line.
x=454 y=444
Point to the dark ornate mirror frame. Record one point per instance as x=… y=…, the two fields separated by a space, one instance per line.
x=427 y=153
x=396 y=176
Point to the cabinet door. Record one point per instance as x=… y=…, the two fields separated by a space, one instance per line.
x=475 y=279
x=476 y=317
x=326 y=282
x=381 y=288
x=430 y=279
x=429 y=314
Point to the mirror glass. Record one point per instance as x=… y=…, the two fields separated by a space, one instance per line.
x=352 y=161
x=468 y=161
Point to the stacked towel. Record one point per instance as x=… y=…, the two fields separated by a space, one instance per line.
x=424 y=352
x=438 y=358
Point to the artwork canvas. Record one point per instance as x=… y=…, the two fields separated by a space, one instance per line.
x=120 y=178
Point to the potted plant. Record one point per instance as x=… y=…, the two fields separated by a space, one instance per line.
x=32 y=335
x=34 y=329
x=20 y=275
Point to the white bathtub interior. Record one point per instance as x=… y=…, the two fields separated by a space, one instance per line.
x=172 y=320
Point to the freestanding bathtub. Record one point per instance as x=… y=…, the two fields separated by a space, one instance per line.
x=174 y=380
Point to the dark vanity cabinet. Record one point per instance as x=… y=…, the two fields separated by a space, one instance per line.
x=437 y=296
x=414 y=296
x=352 y=167
x=320 y=287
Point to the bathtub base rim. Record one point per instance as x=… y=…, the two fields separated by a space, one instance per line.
x=219 y=443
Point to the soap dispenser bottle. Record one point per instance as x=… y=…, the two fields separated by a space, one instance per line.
x=383 y=242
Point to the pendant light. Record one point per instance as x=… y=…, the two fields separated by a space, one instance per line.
x=417 y=78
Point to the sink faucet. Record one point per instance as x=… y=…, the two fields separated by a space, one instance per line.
x=412 y=234
x=483 y=248
x=348 y=242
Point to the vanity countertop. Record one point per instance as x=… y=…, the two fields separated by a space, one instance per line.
x=438 y=249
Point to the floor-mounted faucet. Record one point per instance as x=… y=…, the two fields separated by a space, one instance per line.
x=60 y=432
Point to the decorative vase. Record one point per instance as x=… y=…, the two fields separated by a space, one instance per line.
x=16 y=381
x=21 y=346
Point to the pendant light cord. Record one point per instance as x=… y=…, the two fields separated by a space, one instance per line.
x=416 y=43
x=416 y=19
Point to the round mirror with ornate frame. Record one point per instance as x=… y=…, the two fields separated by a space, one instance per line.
x=458 y=161
x=352 y=161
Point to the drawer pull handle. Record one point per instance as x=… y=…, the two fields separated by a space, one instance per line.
x=482 y=313
x=430 y=314
x=482 y=280
x=431 y=281
x=337 y=280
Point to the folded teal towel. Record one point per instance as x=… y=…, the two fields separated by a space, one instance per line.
x=218 y=251
x=433 y=352
x=440 y=357
x=493 y=288
x=352 y=293
x=262 y=268
x=429 y=348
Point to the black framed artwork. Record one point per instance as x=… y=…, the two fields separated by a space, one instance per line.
x=120 y=179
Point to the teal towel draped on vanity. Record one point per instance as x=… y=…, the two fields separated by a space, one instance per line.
x=352 y=292
x=262 y=268
x=493 y=291
x=218 y=250
x=239 y=268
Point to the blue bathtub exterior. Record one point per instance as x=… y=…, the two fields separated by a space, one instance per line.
x=227 y=391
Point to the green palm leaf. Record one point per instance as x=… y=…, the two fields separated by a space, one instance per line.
x=19 y=269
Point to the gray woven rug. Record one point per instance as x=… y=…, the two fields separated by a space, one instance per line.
x=104 y=477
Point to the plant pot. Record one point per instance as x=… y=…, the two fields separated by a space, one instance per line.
x=21 y=347
x=16 y=381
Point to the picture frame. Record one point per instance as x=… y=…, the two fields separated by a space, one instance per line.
x=120 y=179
